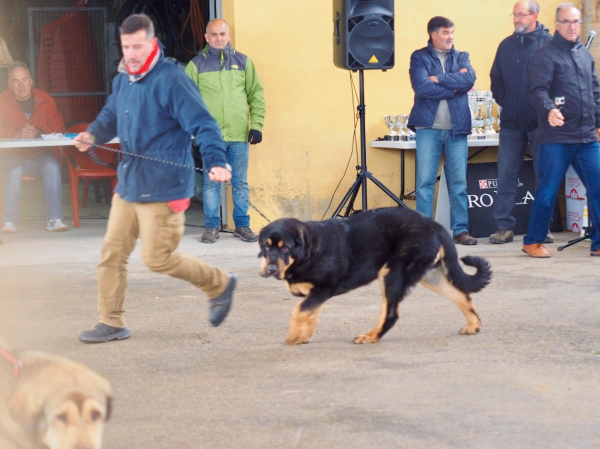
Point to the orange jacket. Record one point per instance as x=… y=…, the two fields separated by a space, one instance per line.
x=45 y=114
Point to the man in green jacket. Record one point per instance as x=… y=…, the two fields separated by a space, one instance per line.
x=233 y=93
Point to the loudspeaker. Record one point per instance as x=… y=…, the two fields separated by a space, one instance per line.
x=363 y=34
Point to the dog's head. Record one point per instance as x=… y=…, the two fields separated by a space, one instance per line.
x=282 y=243
x=60 y=404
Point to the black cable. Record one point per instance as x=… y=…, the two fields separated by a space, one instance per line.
x=354 y=95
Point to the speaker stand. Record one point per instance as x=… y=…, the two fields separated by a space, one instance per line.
x=363 y=174
x=587 y=232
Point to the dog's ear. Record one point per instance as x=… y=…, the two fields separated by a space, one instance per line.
x=262 y=249
x=303 y=241
x=108 y=407
x=26 y=409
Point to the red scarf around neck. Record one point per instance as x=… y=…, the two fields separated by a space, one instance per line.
x=147 y=64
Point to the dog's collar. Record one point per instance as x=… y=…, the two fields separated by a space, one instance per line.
x=16 y=362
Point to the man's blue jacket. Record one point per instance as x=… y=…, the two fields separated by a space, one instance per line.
x=453 y=87
x=155 y=117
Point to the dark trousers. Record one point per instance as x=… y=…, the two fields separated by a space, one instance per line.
x=511 y=154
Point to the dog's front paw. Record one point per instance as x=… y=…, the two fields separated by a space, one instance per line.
x=297 y=339
x=363 y=339
x=469 y=330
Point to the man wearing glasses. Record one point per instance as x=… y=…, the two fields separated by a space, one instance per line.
x=510 y=77
x=566 y=96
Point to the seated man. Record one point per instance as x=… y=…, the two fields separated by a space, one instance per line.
x=26 y=113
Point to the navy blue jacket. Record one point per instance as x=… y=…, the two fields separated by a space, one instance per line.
x=511 y=77
x=565 y=69
x=453 y=87
x=156 y=117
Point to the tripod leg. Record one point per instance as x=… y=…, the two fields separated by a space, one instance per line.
x=351 y=193
x=387 y=191
x=353 y=198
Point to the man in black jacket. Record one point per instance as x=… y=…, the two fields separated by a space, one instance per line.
x=510 y=85
x=566 y=96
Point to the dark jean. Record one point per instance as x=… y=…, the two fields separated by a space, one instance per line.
x=553 y=164
x=429 y=152
x=511 y=154
x=237 y=154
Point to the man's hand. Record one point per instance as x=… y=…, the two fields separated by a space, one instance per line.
x=436 y=80
x=83 y=141
x=31 y=132
x=219 y=174
x=555 y=118
x=254 y=137
x=27 y=132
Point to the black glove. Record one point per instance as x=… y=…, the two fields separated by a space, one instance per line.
x=254 y=137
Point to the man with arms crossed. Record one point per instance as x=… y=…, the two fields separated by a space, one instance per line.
x=441 y=78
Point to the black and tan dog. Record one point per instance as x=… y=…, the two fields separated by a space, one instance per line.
x=51 y=403
x=321 y=259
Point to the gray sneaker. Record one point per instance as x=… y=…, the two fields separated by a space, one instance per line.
x=549 y=238
x=219 y=306
x=210 y=235
x=245 y=233
x=502 y=236
x=103 y=332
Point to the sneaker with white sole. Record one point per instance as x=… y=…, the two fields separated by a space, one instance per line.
x=9 y=228
x=56 y=225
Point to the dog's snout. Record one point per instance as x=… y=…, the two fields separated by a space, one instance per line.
x=271 y=269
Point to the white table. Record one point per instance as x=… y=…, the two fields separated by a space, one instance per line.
x=401 y=145
x=39 y=142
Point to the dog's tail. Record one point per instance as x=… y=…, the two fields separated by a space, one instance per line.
x=467 y=283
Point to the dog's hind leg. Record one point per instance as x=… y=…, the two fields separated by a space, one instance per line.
x=436 y=280
x=393 y=289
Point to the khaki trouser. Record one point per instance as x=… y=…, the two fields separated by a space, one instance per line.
x=160 y=230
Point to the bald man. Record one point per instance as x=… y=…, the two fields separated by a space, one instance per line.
x=233 y=93
x=510 y=86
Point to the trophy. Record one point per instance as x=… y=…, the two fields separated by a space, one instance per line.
x=390 y=123
x=407 y=134
x=398 y=124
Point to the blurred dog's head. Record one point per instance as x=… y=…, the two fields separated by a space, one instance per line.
x=60 y=404
x=282 y=243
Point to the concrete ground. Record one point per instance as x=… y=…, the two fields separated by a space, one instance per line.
x=530 y=379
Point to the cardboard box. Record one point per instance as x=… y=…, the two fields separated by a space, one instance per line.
x=573 y=186
x=575 y=214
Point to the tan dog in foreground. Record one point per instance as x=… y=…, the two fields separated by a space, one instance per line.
x=52 y=403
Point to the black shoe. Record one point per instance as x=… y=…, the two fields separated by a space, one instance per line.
x=219 y=307
x=103 y=332
x=549 y=238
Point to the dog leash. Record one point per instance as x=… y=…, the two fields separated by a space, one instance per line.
x=20 y=163
x=16 y=362
x=95 y=158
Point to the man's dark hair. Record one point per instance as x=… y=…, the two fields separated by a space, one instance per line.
x=16 y=64
x=137 y=22
x=438 y=22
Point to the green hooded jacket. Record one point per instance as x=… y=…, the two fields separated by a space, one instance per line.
x=231 y=89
